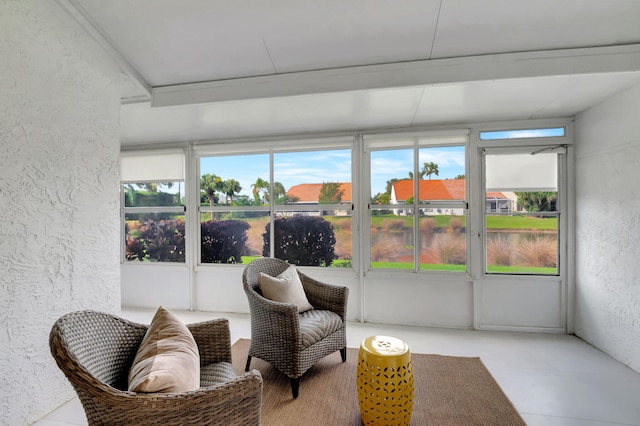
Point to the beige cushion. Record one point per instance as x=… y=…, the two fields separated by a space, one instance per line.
x=168 y=359
x=286 y=288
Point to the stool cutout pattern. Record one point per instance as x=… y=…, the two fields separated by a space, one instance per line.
x=385 y=382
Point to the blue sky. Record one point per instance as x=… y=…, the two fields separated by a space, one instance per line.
x=386 y=165
x=331 y=166
x=519 y=134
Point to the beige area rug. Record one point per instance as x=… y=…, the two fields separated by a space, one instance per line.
x=447 y=391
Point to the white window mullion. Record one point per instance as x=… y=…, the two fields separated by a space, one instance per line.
x=272 y=218
x=192 y=222
x=416 y=211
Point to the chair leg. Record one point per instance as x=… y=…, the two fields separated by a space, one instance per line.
x=295 y=385
x=343 y=354
x=246 y=368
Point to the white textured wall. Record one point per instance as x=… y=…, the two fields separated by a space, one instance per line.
x=608 y=227
x=59 y=225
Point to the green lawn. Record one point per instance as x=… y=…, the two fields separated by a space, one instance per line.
x=441 y=221
x=522 y=222
x=338 y=263
x=521 y=270
x=493 y=222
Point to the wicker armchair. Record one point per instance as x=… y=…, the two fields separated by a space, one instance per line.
x=95 y=351
x=289 y=341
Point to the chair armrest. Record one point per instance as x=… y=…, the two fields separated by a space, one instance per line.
x=326 y=296
x=236 y=403
x=213 y=339
x=272 y=320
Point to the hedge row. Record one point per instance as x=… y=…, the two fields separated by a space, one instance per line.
x=301 y=240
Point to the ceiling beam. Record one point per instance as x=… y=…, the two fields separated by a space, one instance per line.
x=610 y=59
x=88 y=24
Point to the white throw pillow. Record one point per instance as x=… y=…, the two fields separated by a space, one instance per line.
x=168 y=359
x=286 y=288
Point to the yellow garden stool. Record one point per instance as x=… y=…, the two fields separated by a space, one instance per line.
x=385 y=381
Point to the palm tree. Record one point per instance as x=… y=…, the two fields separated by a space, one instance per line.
x=429 y=169
x=260 y=187
x=230 y=188
x=278 y=192
x=210 y=184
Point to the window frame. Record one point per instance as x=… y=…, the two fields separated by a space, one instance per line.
x=561 y=145
x=275 y=147
x=416 y=140
x=360 y=181
x=176 y=161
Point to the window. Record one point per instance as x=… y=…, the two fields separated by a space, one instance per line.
x=234 y=199
x=522 y=211
x=296 y=199
x=550 y=132
x=153 y=200
x=434 y=167
x=313 y=221
x=303 y=196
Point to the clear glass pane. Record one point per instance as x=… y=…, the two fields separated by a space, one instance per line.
x=443 y=241
x=392 y=239
x=441 y=174
x=521 y=218
x=522 y=244
x=520 y=134
x=388 y=168
x=153 y=194
x=314 y=177
x=343 y=231
x=154 y=237
x=238 y=180
x=322 y=238
x=232 y=237
x=537 y=201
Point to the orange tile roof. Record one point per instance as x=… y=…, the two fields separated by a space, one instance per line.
x=430 y=189
x=498 y=195
x=436 y=190
x=310 y=192
x=456 y=188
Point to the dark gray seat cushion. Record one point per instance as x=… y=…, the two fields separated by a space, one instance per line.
x=316 y=324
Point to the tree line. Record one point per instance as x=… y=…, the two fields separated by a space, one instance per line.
x=213 y=186
x=428 y=169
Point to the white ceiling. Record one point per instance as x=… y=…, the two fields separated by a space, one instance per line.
x=284 y=67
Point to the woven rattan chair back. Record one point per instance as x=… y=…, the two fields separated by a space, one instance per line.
x=267 y=265
x=99 y=348
x=95 y=351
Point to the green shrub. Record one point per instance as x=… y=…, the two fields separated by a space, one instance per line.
x=150 y=198
x=157 y=241
x=223 y=241
x=340 y=263
x=302 y=240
